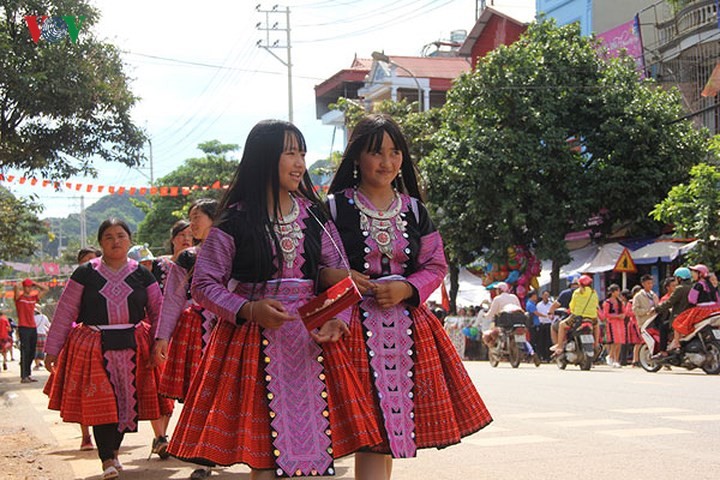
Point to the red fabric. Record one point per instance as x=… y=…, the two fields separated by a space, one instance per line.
x=80 y=389
x=4 y=327
x=447 y=405
x=226 y=419
x=685 y=323
x=25 y=306
x=184 y=354
x=633 y=332
x=615 y=331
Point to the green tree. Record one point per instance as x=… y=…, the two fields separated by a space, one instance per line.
x=694 y=209
x=544 y=136
x=163 y=212
x=62 y=103
x=20 y=224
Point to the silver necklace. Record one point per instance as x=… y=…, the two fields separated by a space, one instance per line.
x=289 y=234
x=378 y=224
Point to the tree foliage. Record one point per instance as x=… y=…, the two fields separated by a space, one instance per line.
x=546 y=135
x=20 y=223
x=694 y=209
x=62 y=103
x=163 y=212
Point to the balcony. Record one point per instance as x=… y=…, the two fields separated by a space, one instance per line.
x=698 y=18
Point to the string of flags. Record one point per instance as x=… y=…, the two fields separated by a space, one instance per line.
x=163 y=191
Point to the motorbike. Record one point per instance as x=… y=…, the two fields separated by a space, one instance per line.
x=699 y=349
x=510 y=341
x=579 y=346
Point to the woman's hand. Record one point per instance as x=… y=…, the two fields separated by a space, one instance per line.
x=331 y=331
x=159 y=353
x=268 y=313
x=50 y=362
x=331 y=276
x=389 y=294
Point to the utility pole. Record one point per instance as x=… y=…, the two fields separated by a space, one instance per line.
x=83 y=223
x=268 y=45
x=152 y=178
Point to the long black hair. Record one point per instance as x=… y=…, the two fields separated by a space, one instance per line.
x=258 y=171
x=367 y=136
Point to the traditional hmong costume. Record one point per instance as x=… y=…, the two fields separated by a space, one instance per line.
x=102 y=375
x=704 y=299
x=270 y=398
x=186 y=324
x=160 y=269
x=424 y=396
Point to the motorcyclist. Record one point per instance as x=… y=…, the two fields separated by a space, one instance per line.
x=704 y=300
x=583 y=305
x=672 y=307
x=562 y=301
x=503 y=301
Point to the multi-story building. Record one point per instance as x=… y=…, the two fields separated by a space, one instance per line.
x=424 y=79
x=680 y=42
x=594 y=16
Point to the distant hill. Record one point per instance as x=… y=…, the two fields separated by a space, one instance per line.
x=67 y=229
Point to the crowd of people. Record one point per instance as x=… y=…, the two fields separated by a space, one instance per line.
x=688 y=297
x=216 y=324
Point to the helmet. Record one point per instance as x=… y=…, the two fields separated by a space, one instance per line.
x=502 y=286
x=585 y=280
x=682 y=272
x=701 y=269
x=140 y=253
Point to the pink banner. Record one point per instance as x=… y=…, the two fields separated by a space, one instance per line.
x=625 y=37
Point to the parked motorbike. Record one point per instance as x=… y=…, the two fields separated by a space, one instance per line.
x=509 y=340
x=700 y=349
x=579 y=346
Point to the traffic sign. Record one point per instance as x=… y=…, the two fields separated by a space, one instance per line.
x=625 y=263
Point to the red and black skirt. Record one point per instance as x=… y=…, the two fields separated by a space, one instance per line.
x=274 y=399
x=685 y=323
x=184 y=353
x=444 y=404
x=84 y=391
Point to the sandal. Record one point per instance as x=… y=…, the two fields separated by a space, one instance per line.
x=200 y=474
x=110 y=473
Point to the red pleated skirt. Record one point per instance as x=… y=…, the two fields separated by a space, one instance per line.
x=615 y=331
x=226 y=418
x=685 y=323
x=80 y=387
x=447 y=406
x=184 y=354
x=633 y=336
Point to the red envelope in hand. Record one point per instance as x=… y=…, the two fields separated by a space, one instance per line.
x=328 y=304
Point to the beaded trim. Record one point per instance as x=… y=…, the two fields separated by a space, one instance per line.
x=290 y=234
x=378 y=223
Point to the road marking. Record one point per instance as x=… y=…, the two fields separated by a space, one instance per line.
x=651 y=410
x=543 y=415
x=515 y=440
x=694 y=418
x=589 y=423
x=642 y=432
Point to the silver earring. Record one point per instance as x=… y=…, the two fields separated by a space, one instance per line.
x=399 y=173
x=354 y=172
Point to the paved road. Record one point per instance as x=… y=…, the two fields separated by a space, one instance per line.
x=548 y=423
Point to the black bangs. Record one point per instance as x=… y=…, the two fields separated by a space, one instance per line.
x=294 y=139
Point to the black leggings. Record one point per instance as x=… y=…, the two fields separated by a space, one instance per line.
x=108 y=440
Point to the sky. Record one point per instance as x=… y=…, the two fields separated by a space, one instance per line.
x=200 y=75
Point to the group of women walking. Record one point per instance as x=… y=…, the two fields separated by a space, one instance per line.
x=379 y=380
